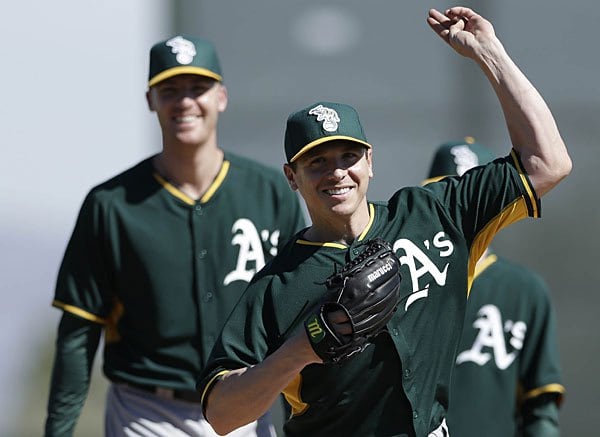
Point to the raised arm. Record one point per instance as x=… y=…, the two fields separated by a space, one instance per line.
x=243 y=395
x=533 y=131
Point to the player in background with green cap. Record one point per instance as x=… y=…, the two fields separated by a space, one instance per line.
x=507 y=379
x=398 y=385
x=160 y=254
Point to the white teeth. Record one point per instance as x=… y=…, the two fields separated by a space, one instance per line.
x=337 y=191
x=186 y=119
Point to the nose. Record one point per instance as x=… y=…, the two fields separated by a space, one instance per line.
x=337 y=169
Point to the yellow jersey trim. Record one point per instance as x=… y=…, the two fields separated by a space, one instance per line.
x=217 y=182
x=340 y=245
x=316 y=243
x=484 y=264
x=78 y=312
x=512 y=213
x=370 y=223
x=524 y=180
x=173 y=190
x=206 y=196
x=550 y=388
x=292 y=395
x=434 y=179
x=209 y=386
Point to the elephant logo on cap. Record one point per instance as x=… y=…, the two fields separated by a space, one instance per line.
x=328 y=116
x=184 y=49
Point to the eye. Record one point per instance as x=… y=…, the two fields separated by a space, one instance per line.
x=167 y=91
x=201 y=88
x=351 y=157
x=316 y=162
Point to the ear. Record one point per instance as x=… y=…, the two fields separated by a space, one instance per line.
x=369 y=157
x=223 y=97
x=290 y=176
x=149 y=100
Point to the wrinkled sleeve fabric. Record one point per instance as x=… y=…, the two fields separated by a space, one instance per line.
x=76 y=346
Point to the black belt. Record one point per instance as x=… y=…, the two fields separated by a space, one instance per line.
x=169 y=393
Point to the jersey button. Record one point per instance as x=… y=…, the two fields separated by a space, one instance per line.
x=202 y=253
x=355 y=251
x=198 y=209
x=407 y=373
x=208 y=297
x=395 y=331
x=415 y=415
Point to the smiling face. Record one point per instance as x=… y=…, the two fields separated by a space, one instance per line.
x=333 y=179
x=188 y=107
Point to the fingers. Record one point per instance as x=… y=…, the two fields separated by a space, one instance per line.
x=439 y=23
x=460 y=12
x=340 y=322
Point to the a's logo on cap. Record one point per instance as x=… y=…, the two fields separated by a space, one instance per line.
x=464 y=158
x=184 y=50
x=328 y=116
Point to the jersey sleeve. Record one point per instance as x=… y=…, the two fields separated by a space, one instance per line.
x=82 y=285
x=540 y=372
x=243 y=339
x=487 y=199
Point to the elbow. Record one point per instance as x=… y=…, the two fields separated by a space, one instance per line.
x=217 y=423
x=220 y=429
x=220 y=418
x=567 y=167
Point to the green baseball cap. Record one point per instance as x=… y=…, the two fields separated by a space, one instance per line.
x=183 y=55
x=456 y=157
x=319 y=123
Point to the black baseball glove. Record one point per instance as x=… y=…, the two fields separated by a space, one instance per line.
x=367 y=290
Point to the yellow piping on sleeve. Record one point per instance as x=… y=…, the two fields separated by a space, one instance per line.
x=528 y=187
x=78 y=312
x=209 y=386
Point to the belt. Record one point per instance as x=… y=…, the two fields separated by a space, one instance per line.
x=169 y=393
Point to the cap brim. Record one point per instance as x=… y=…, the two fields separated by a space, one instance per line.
x=326 y=139
x=175 y=71
x=433 y=179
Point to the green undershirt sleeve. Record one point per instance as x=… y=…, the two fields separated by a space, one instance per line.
x=76 y=346
x=540 y=417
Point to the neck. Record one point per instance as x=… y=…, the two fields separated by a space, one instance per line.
x=193 y=171
x=343 y=230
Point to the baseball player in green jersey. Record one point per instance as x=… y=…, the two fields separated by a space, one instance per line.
x=160 y=254
x=399 y=384
x=507 y=378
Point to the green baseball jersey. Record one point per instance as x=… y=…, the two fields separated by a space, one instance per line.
x=398 y=385
x=507 y=354
x=162 y=271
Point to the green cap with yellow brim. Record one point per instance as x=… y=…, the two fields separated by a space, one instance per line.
x=456 y=157
x=183 y=55
x=319 y=123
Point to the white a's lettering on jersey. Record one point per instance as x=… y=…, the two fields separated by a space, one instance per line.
x=420 y=264
x=250 y=257
x=491 y=335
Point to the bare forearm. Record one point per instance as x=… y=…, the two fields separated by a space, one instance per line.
x=531 y=125
x=533 y=131
x=252 y=390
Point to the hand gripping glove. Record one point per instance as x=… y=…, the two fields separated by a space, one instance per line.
x=367 y=290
